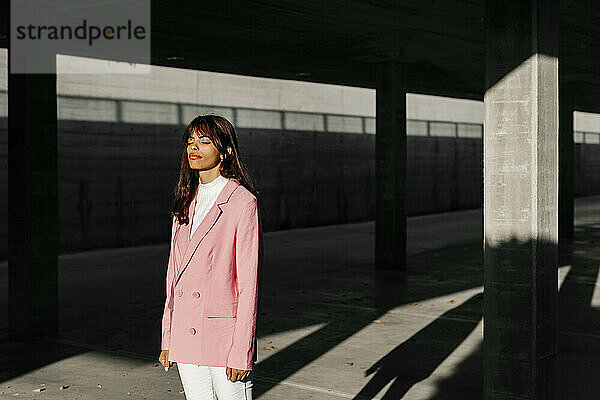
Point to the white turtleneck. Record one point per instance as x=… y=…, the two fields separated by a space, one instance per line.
x=207 y=195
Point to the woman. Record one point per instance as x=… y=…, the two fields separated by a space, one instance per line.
x=209 y=319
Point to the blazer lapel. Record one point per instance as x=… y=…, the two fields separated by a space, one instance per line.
x=205 y=226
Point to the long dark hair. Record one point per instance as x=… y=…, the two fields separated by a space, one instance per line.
x=223 y=134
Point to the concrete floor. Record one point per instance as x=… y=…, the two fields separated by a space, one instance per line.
x=339 y=329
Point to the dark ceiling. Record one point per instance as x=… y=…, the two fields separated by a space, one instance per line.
x=440 y=41
x=327 y=41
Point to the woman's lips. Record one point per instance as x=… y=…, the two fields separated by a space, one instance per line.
x=194 y=156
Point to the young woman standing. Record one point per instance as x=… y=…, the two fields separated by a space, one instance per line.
x=209 y=319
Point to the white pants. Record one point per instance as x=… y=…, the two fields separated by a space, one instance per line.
x=210 y=383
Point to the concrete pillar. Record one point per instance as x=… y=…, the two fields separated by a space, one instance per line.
x=566 y=160
x=520 y=199
x=33 y=205
x=390 y=166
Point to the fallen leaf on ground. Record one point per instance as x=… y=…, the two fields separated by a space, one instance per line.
x=268 y=348
x=63 y=387
x=155 y=365
x=38 y=390
x=416 y=304
x=451 y=301
x=348 y=364
x=180 y=391
x=99 y=385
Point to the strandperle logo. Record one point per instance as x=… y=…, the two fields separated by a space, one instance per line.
x=43 y=32
x=84 y=31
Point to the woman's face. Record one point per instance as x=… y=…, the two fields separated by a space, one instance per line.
x=202 y=153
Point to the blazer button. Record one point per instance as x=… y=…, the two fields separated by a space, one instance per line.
x=192 y=331
x=196 y=295
x=180 y=293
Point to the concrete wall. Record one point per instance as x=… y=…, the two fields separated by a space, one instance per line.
x=310 y=146
x=587 y=169
x=116 y=180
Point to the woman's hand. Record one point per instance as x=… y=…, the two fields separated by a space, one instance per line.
x=236 y=374
x=163 y=358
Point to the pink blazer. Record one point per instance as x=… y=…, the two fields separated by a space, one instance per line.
x=212 y=284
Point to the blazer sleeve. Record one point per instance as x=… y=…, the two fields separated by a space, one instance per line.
x=242 y=352
x=168 y=310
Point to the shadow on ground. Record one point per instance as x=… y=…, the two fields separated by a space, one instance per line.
x=321 y=276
